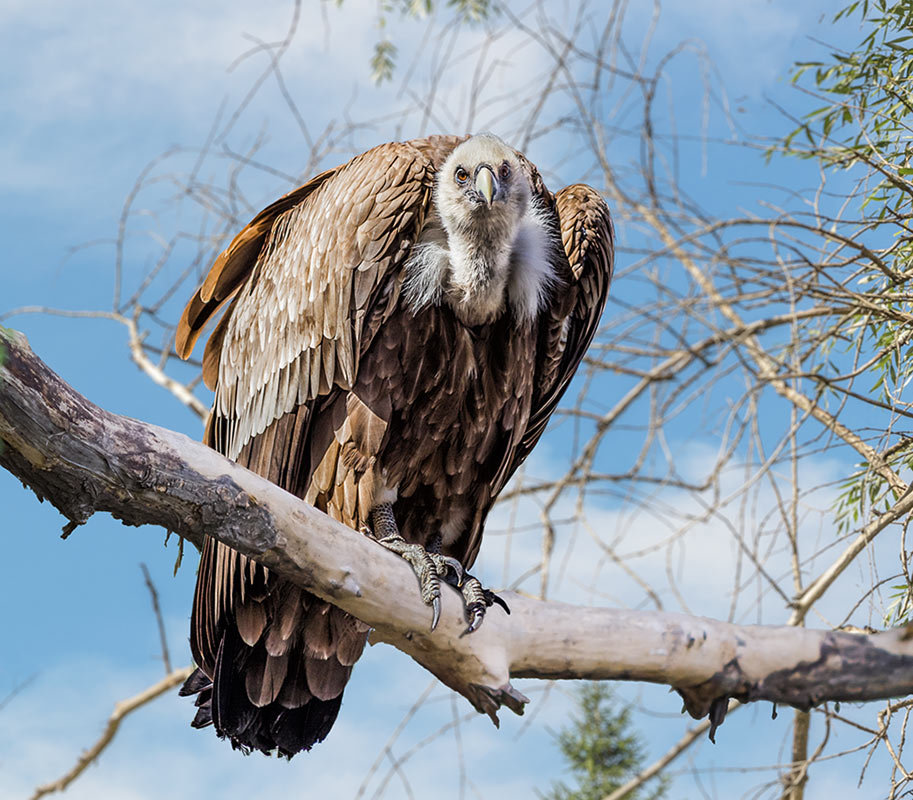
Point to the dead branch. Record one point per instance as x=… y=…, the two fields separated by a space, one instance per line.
x=135 y=341
x=173 y=678
x=121 y=709
x=84 y=459
x=667 y=758
x=160 y=622
x=17 y=689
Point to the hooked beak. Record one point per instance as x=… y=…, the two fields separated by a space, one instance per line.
x=485 y=183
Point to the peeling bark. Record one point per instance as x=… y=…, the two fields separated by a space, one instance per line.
x=84 y=459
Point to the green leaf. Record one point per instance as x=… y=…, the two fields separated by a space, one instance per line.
x=382 y=61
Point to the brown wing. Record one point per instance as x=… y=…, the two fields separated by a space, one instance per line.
x=566 y=326
x=569 y=324
x=237 y=262
x=312 y=278
x=231 y=269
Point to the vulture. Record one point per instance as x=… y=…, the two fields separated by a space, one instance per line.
x=396 y=333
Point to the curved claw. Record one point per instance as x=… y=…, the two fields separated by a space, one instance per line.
x=476 y=613
x=435 y=612
x=491 y=598
x=456 y=566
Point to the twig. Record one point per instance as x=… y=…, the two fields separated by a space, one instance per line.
x=121 y=710
x=17 y=689
x=661 y=763
x=153 y=593
x=155 y=373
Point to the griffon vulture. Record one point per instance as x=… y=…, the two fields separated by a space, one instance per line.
x=398 y=332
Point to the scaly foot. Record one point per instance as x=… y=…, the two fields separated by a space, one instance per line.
x=478 y=600
x=430 y=566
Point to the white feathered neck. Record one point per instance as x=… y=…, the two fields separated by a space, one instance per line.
x=448 y=267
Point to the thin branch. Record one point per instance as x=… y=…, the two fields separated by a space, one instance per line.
x=17 y=689
x=121 y=710
x=153 y=593
x=667 y=758
x=135 y=341
x=820 y=585
x=156 y=373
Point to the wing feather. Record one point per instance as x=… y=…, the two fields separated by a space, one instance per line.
x=232 y=268
x=307 y=283
x=303 y=306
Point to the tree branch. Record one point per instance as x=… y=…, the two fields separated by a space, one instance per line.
x=85 y=459
x=663 y=761
x=121 y=710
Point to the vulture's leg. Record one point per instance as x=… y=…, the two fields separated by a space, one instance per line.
x=429 y=567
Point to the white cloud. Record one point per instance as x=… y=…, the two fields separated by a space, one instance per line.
x=692 y=563
x=157 y=753
x=76 y=59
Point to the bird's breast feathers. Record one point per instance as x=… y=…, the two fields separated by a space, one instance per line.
x=442 y=269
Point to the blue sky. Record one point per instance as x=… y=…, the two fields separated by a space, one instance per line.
x=93 y=92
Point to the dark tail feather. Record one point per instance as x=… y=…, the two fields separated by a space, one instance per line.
x=297 y=729
x=232 y=712
x=199 y=684
x=224 y=703
x=196 y=683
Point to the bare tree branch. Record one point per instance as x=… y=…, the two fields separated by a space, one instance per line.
x=138 y=353
x=667 y=758
x=84 y=459
x=122 y=709
x=157 y=609
x=17 y=689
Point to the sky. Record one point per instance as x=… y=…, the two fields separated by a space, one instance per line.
x=95 y=92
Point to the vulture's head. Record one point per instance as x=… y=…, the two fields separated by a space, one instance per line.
x=495 y=247
x=482 y=185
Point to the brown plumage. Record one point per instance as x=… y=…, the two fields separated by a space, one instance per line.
x=370 y=354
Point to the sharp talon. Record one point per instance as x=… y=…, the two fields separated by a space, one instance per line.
x=476 y=613
x=436 y=612
x=431 y=566
x=491 y=598
x=456 y=566
x=428 y=564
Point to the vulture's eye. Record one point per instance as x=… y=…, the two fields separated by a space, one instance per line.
x=505 y=171
x=461 y=175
